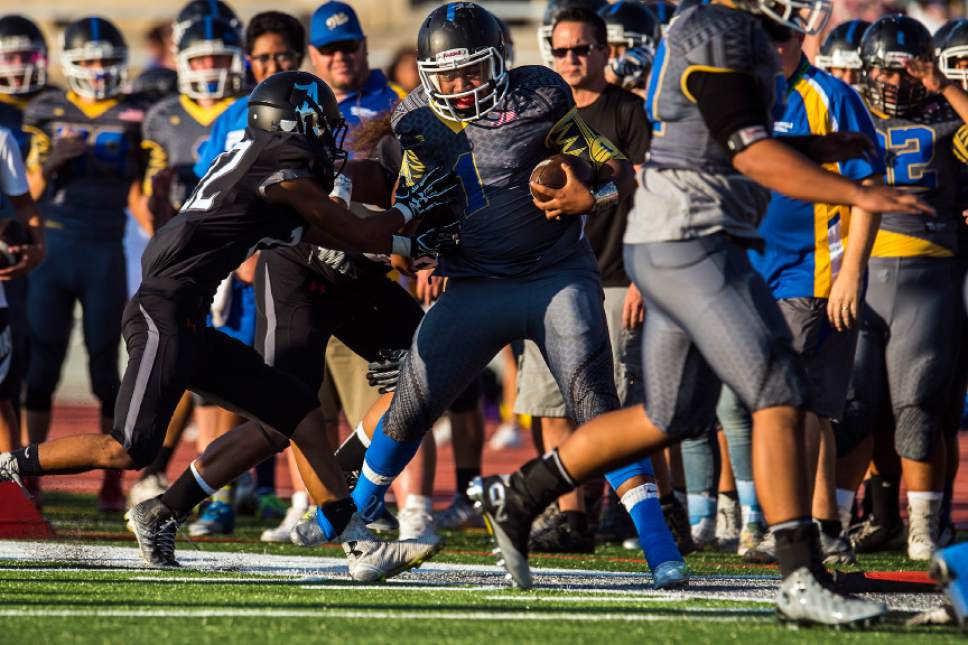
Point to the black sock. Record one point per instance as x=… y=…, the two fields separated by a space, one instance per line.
x=543 y=480
x=464 y=477
x=668 y=498
x=160 y=464
x=946 y=500
x=339 y=513
x=184 y=494
x=265 y=475
x=350 y=454
x=799 y=546
x=733 y=495
x=28 y=461
x=577 y=521
x=884 y=505
x=831 y=528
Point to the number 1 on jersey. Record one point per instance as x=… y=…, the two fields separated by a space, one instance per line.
x=470 y=179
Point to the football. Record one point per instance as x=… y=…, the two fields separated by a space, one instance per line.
x=549 y=173
x=12 y=233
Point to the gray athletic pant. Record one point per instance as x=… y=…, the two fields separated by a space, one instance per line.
x=559 y=308
x=906 y=354
x=711 y=319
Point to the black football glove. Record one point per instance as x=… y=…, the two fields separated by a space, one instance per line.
x=62 y=152
x=436 y=188
x=633 y=67
x=384 y=372
x=432 y=243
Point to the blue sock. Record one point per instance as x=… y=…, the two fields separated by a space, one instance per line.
x=701 y=506
x=385 y=459
x=325 y=525
x=655 y=538
x=641 y=468
x=746 y=491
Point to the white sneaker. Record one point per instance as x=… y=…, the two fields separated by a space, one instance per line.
x=507 y=435
x=280 y=534
x=727 y=524
x=144 y=489
x=459 y=514
x=372 y=560
x=802 y=599
x=415 y=523
x=924 y=518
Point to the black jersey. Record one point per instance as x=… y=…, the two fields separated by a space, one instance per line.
x=227 y=218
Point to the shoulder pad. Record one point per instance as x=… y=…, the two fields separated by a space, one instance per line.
x=714 y=37
x=414 y=101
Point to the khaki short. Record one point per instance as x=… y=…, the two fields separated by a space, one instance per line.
x=345 y=386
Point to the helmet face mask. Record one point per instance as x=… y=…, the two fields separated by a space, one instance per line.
x=953 y=54
x=215 y=39
x=887 y=47
x=94 y=58
x=197 y=9
x=894 y=99
x=805 y=16
x=483 y=73
x=23 y=65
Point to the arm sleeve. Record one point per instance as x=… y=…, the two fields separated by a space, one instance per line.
x=13 y=176
x=728 y=101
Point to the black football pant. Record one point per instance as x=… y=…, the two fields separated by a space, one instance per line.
x=170 y=350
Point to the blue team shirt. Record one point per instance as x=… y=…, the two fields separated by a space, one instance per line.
x=805 y=241
x=377 y=95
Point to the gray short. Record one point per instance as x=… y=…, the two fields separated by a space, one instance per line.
x=538 y=393
x=827 y=354
x=711 y=319
x=906 y=354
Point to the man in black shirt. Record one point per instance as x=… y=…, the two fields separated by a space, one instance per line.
x=580 y=51
x=269 y=190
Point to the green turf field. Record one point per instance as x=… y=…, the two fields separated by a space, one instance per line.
x=88 y=587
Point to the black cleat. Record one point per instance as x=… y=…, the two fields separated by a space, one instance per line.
x=871 y=536
x=155 y=526
x=507 y=522
x=559 y=537
x=677 y=518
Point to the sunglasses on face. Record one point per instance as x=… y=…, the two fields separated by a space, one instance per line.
x=580 y=50
x=281 y=58
x=345 y=47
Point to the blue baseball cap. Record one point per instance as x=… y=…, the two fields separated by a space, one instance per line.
x=334 y=22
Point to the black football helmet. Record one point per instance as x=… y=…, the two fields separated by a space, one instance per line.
x=155 y=83
x=888 y=44
x=196 y=9
x=953 y=53
x=806 y=16
x=942 y=32
x=462 y=37
x=210 y=36
x=94 y=39
x=841 y=47
x=301 y=103
x=665 y=11
x=548 y=23
x=23 y=56
x=632 y=24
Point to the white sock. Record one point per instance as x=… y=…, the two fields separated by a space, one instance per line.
x=361 y=434
x=419 y=502
x=300 y=500
x=926 y=495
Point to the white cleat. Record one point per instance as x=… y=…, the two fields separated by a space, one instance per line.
x=415 y=524
x=147 y=488
x=803 y=600
x=924 y=518
x=280 y=534
x=9 y=470
x=372 y=560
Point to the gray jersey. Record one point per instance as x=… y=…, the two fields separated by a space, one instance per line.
x=172 y=134
x=504 y=234
x=690 y=188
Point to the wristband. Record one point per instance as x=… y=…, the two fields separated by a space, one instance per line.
x=342 y=189
x=401 y=245
x=745 y=137
x=404 y=210
x=605 y=195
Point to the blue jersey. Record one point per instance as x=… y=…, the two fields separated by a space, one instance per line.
x=805 y=241
x=503 y=234
x=238 y=317
x=227 y=130
x=87 y=196
x=378 y=95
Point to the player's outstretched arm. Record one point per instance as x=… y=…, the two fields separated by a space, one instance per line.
x=934 y=81
x=779 y=167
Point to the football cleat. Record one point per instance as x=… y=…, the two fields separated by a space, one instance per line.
x=677 y=517
x=373 y=560
x=306 y=531
x=155 y=525
x=837 y=550
x=282 y=532
x=923 y=529
x=803 y=599
x=385 y=523
x=508 y=524
x=756 y=545
x=950 y=568
x=9 y=470
x=458 y=515
x=559 y=537
x=704 y=534
x=415 y=524
x=147 y=487
x=728 y=519
x=218 y=518
x=673 y=574
x=870 y=536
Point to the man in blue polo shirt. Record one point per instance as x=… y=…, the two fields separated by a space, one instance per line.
x=337 y=50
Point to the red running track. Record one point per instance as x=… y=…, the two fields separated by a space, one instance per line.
x=79 y=418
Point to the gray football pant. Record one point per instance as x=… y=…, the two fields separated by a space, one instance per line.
x=561 y=310
x=906 y=354
x=711 y=320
